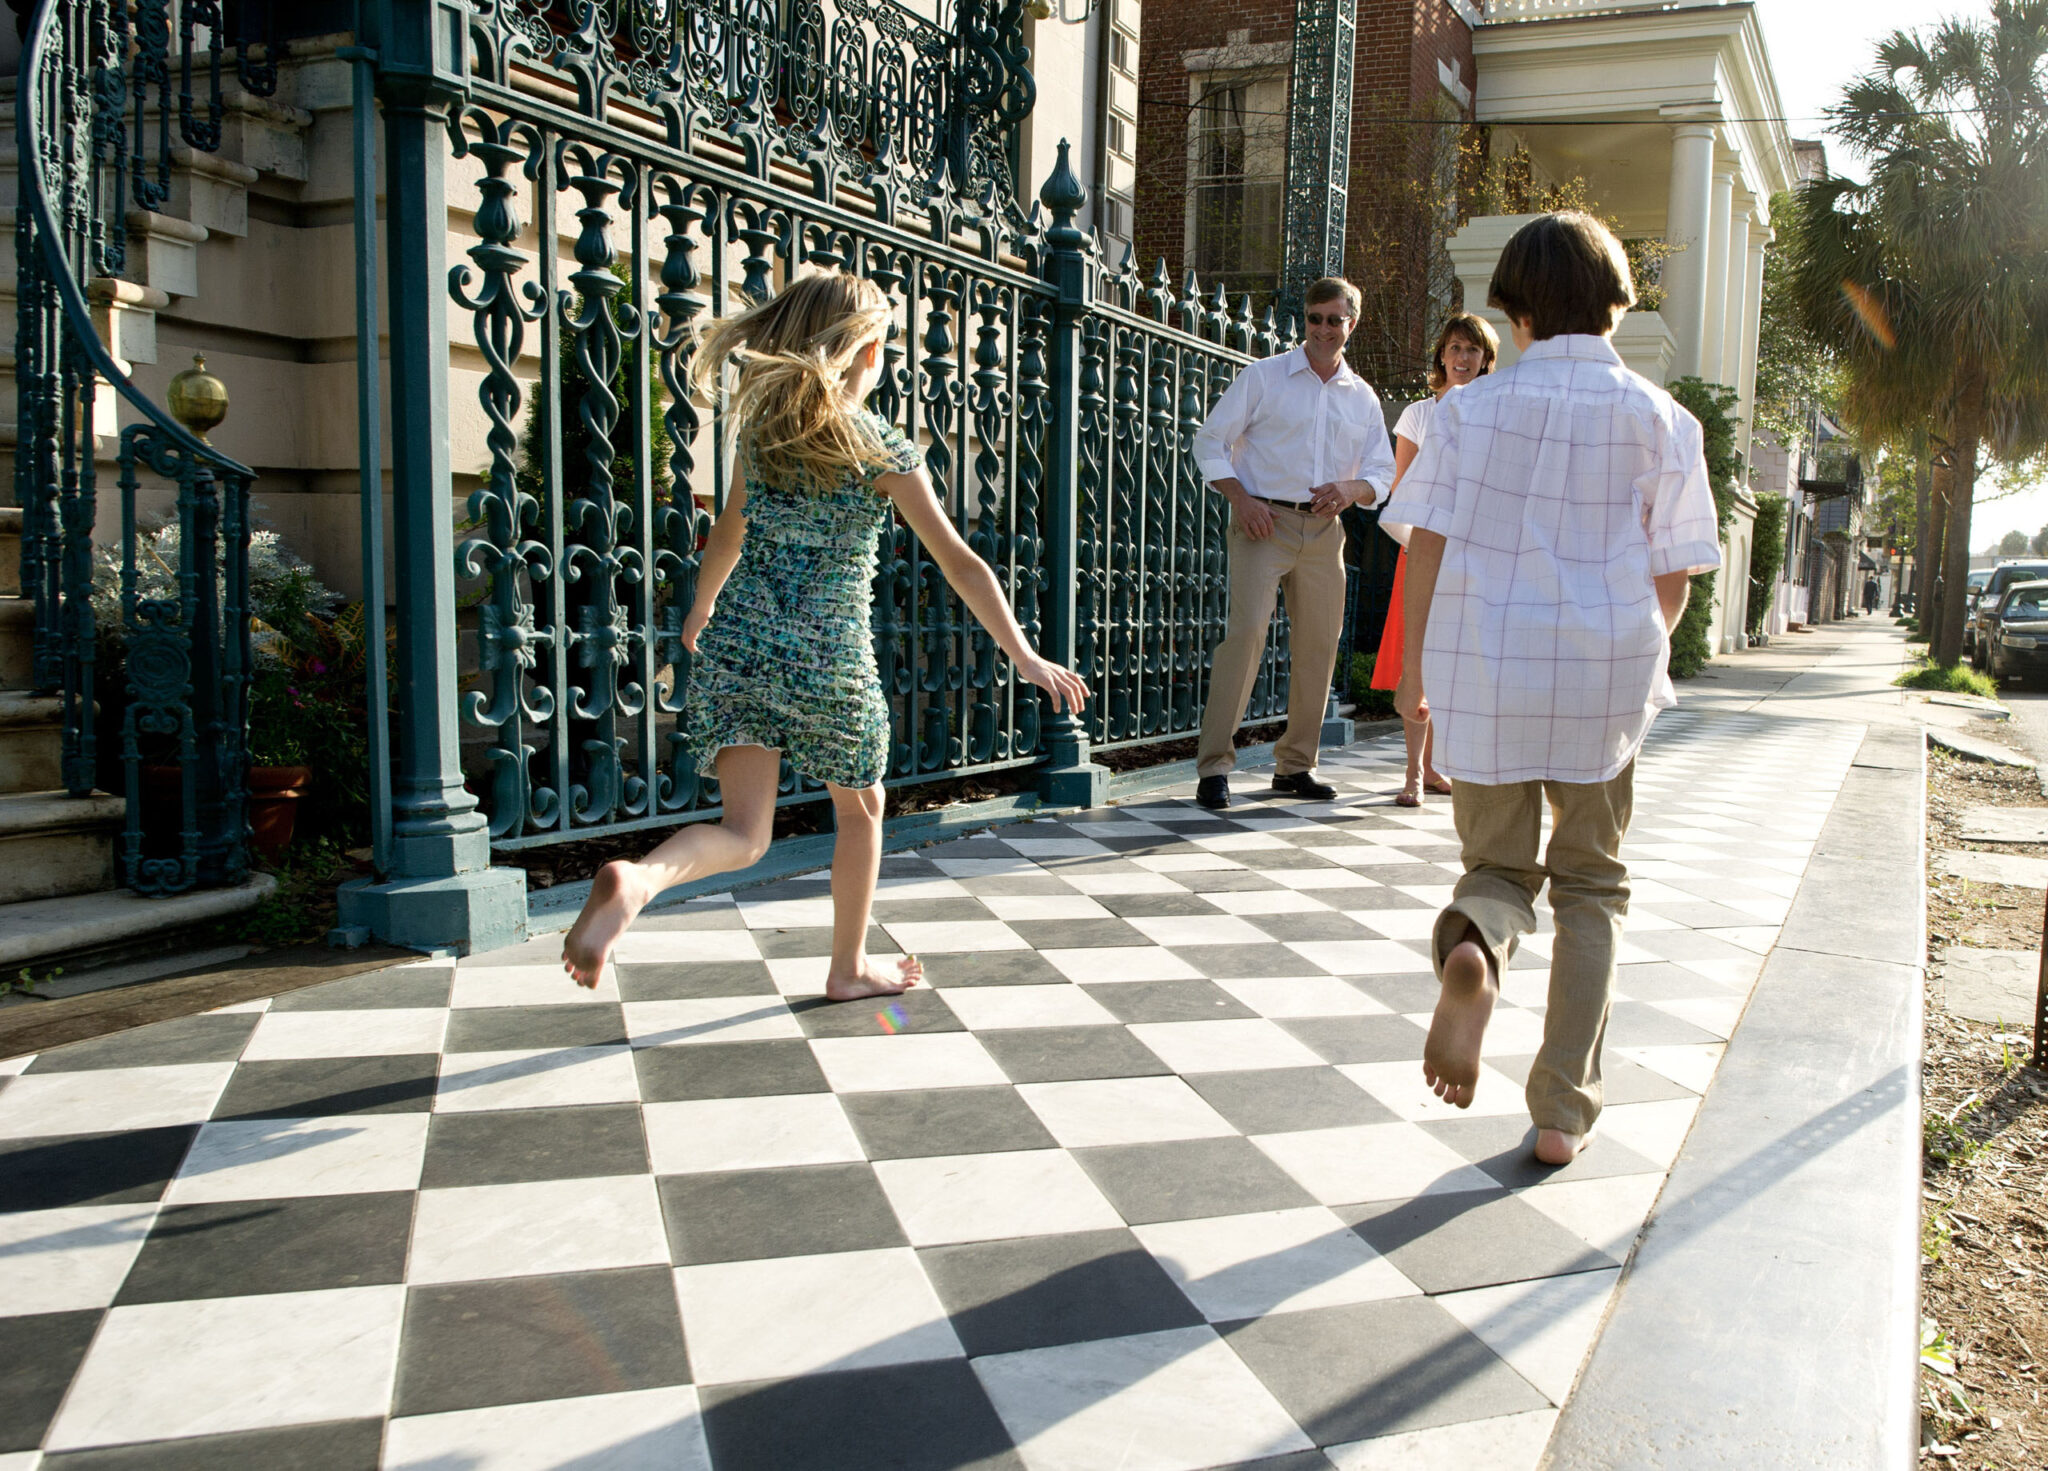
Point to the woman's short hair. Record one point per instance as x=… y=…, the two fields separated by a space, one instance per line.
x=1563 y=273
x=1333 y=288
x=1475 y=330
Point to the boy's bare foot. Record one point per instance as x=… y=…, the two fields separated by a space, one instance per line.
x=1556 y=1147
x=871 y=980
x=1450 y=1058
x=617 y=895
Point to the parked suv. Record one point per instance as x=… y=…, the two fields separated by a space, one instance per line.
x=2002 y=577
x=2016 y=631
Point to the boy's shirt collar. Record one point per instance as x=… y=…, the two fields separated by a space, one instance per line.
x=1583 y=346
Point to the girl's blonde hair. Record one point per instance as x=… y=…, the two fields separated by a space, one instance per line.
x=796 y=425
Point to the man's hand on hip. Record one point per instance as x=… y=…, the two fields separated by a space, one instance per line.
x=1254 y=517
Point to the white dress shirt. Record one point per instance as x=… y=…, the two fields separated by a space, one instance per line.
x=1280 y=431
x=1562 y=486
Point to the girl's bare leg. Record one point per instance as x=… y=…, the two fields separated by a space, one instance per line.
x=856 y=864
x=1432 y=779
x=1415 y=735
x=746 y=785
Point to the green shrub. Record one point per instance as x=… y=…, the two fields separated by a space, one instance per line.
x=1951 y=679
x=1712 y=404
x=1368 y=703
x=1766 y=557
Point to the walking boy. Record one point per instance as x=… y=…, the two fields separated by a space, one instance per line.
x=1556 y=510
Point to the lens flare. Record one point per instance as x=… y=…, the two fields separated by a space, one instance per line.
x=1871 y=313
x=892 y=1018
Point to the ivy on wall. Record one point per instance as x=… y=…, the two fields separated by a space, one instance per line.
x=1713 y=404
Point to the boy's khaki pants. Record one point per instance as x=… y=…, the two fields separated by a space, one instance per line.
x=1305 y=556
x=1500 y=827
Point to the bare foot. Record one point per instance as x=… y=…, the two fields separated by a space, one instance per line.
x=617 y=895
x=1450 y=1058
x=1555 y=1147
x=870 y=980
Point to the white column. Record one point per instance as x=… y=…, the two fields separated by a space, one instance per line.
x=1752 y=325
x=1714 y=333
x=1734 y=311
x=1685 y=227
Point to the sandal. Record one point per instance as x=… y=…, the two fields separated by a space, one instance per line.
x=1408 y=797
x=1441 y=786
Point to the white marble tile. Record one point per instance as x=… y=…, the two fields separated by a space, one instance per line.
x=748 y=1133
x=1235 y=1267
x=1402 y=1088
x=1527 y=988
x=14 y=1067
x=55 y=1261
x=163 y=1370
x=938 y=937
x=1509 y=1443
x=1112 y=963
x=916 y=1060
x=995 y=1008
x=1124 y=1110
x=1302 y=996
x=1717 y=1014
x=1172 y=1401
x=1656 y=1131
x=584 y=1225
x=21 y=1460
x=709 y=1019
x=1086 y=881
x=787 y=914
x=1128 y=827
x=637 y=945
x=639 y=1430
x=107 y=1100
x=1605 y=1213
x=475 y=1081
x=1044 y=906
x=1323 y=880
x=804 y=975
x=373 y=1032
x=1543 y=1327
x=785 y=1316
x=1239 y=1045
x=1266 y=901
x=1199 y=929
x=982 y=868
x=255 y=1159
x=1367 y=1162
x=1690 y=1065
x=1240 y=842
x=1757 y=939
x=259 y=1005
x=1737 y=973
x=987 y=1197
x=1186 y=862
x=1361 y=957
x=539 y=985
x=1397 y=924
x=921 y=887
x=1436 y=896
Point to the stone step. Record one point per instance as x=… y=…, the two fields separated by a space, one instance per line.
x=116 y=924
x=10 y=549
x=31 y=742
x=17 y=630
x=53 y=844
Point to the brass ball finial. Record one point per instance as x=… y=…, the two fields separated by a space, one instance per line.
x=198 y=400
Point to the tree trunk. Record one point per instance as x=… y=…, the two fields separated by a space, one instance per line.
x=1922 y=478
x=1939 y=485
x=1955 y=554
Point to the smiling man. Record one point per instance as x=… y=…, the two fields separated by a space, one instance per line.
x=1292 y=442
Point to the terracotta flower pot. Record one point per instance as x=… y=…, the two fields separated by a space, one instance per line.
x=274 y=793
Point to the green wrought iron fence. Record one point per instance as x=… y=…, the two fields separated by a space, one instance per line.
x=107 y=91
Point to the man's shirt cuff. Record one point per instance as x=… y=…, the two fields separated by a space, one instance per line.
x=1215 y=470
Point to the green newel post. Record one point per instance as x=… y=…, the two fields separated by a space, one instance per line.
x=441 y=891
x=1070 y=779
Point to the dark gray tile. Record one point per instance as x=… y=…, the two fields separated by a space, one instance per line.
x=1358 y=1038
x=1639 y=1024
x=696 y=915
x=693 y=980
x=909 y=866
x=920 y=1122
x=535 y=1028
x=90 y=1169
x=1328 y=925
x=1299 y=1461
x=727 y=1070
x=803 y=888
x=1283 y=1100
x=977 y=847
x=1505 y=1147
x=1693 y=945
x=1471 y=1238
x=311 y=1088
x=1701 y=914
x=1355 y=821
x=1037 y=885
x=407 y=988
x=1378 y=898
x=920 y=1009
x=1172 y=1001
x=1432 y=852
x=514 y=1145
x=1621 y=1081
x=1272 y=859
x=798 y=943
x=338 y=1445
x=1235 y=962
x=806 y=1210
x=1377 y=1368
x=1224 y=881
x=160 y=1044
x=1037 y=1291
x=1416 y=875
x=1155 y=906
x=992 y=967
x=1187 y=1178
x=1077 y=934
x=43 y=1352
x=472 y=1344
x=1403 y=994
x=240 y=1248
x=955 y=909
x=908 y=1417
x=1070 y=1054
x=1664 y=981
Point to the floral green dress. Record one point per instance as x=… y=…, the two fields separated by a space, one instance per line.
x=787 y=660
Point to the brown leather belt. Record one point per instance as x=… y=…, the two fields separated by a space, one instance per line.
x=1284 y=505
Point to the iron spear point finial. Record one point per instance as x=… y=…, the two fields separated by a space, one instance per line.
x=1062 y=194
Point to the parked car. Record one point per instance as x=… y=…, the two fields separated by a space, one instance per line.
x=2016 y=631
x=2001 y=577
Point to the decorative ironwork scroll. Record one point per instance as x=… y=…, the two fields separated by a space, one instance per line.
x=1318 y=145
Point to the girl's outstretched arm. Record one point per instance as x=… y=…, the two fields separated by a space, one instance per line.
x=971 y=578
x=721 y=551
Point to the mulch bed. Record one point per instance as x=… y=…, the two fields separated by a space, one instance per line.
x=1984 y=1235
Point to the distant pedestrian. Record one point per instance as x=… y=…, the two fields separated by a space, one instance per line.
x=786 y=665
x=1292 y=442
x=1870 y=595
x=1557 y=509
x=1465 y=349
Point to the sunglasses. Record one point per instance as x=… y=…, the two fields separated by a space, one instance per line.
x=1335 y=319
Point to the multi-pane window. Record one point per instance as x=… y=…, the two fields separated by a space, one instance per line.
x=1120 y=48
x=1237 y=177
x=1119 y=136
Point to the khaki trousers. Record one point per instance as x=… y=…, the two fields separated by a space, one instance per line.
x=1499 y=827
x=1305 y=556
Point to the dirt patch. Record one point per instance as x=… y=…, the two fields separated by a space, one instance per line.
x=1984 y=1232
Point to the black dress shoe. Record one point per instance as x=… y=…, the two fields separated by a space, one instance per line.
x=1304 y=784
x=1213 y=792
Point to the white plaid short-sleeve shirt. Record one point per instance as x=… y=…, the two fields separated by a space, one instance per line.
x=1562 y=486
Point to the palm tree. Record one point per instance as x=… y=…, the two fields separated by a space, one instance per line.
x=1932 y=278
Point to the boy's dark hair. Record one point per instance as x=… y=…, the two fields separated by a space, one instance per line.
x=1563 y=273
x=1335 y=288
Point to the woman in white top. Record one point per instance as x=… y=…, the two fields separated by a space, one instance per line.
x=1465 y=349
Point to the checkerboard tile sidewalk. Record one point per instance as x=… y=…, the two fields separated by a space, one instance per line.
x=1146 y=1177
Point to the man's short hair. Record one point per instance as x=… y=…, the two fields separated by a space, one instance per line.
x=1563 y=273
x=1330 y=288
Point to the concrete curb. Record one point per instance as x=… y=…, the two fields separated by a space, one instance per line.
x=1770 y=1315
